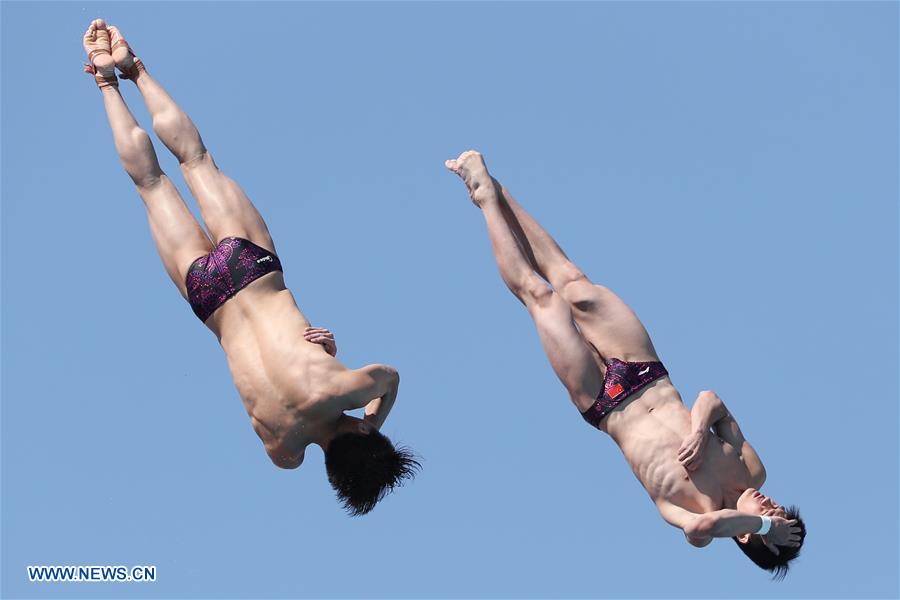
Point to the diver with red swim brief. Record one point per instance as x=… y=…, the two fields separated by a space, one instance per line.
x=699 y=470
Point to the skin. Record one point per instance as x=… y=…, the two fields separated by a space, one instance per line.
x=695 y=465
x=293 y=388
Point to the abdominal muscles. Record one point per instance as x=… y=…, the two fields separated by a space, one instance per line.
x=650 y=437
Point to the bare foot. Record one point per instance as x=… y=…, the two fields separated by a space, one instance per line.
x=470 y=166
x=96 y=44
x=121 y=51
x=130 y=65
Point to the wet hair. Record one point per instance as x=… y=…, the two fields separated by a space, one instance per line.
x=764 y=558
x=364 y=467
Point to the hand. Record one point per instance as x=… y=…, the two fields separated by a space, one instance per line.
x=320 y=335
x=783 y=532
x=690 y=455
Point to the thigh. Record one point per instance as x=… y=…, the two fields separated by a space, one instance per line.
x=179 y=238
x=569 y=354
x=607 y=323
x=226 y=209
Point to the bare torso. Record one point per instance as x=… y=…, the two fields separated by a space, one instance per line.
x=281 y=378
x=649 y=427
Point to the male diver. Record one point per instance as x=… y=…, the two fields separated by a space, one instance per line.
x=294 y=389
x=698 y=469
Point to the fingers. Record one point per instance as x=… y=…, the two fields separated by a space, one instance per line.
x=320 y=335
x=319 y=339
x=689 y=456
x=685 y=452
x=311 y=333
x=315 y=330
x=791 y=538
x=692 y=462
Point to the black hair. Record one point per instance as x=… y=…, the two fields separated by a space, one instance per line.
x=777 y=564
x=364 y=467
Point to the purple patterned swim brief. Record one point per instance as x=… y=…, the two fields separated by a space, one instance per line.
x=213 y=279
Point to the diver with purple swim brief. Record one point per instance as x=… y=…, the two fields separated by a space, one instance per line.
x=295 y=390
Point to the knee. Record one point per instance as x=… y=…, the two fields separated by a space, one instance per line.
x=581 y=293
x=199 y=169
x=147 y=181
x=135 y=146
x=171 y=121
x=197 y=159
x=532 y=290
x=167 y=121
x=568 y=275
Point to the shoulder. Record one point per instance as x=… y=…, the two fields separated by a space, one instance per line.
x=754 y=465
x=284 y=459
x=281 y=453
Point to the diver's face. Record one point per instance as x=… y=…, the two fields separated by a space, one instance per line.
x=754 y=502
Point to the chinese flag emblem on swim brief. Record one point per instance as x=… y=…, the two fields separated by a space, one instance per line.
x=615 y=390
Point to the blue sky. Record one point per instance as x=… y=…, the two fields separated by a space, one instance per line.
x=729 y=169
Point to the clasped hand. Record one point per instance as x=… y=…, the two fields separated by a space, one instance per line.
x=690 y=454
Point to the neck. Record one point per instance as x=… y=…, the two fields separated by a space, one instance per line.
x=730 y=497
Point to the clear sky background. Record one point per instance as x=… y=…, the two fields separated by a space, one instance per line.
x=729 y=169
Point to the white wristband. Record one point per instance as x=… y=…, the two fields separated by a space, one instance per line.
x=766 y=525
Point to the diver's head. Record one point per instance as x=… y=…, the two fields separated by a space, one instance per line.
x=766 y=555
x=754 y=502
x=363 y=465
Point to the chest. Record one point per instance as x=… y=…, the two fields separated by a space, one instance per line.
x=719 y=476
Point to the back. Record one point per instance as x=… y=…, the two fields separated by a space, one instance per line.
x=278 y=374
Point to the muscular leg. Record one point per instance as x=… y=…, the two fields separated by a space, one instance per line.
x=603 y=318
x=179 y=238
x=226 y=209
x=569 y=355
